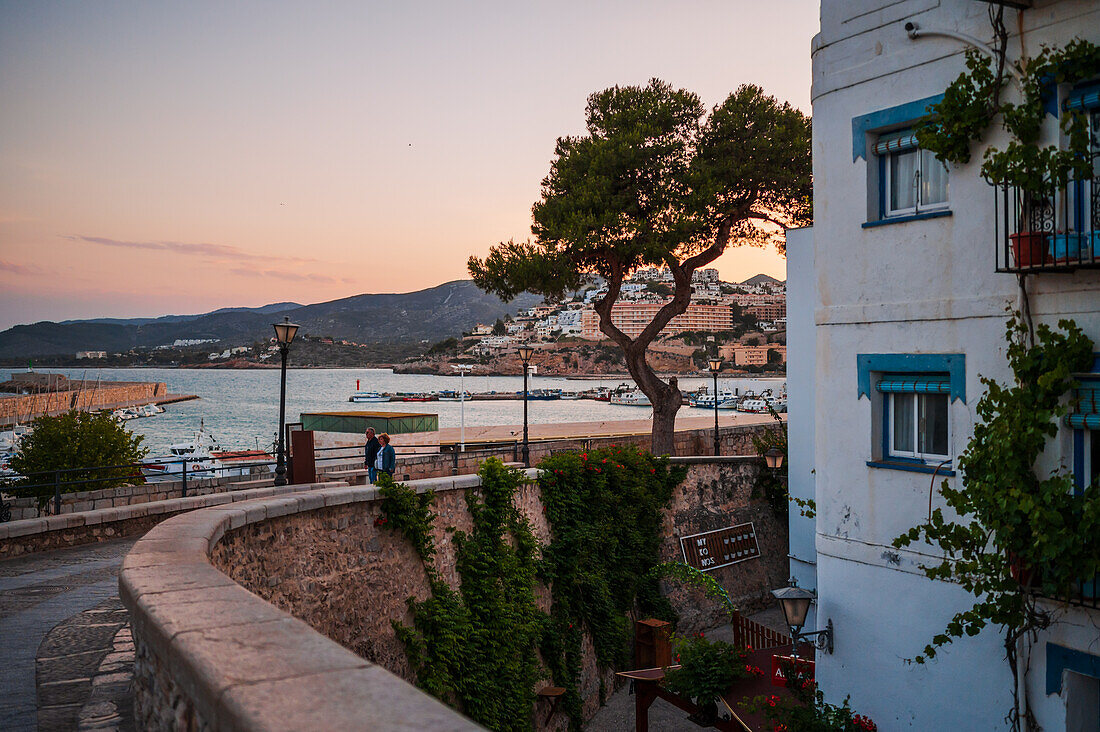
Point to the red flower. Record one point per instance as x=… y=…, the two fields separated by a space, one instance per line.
x=653 y=470
x=780 y=727
x=773 y=700
x=748 y=648
x=604 y=460
x=598 y=470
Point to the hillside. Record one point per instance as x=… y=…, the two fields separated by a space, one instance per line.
x=425 y=315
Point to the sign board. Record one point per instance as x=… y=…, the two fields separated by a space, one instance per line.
x=720 y=548
x=804 y=665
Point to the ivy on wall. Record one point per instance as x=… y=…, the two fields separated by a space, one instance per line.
x=1021 y=534
x=604 y=508
x=479 y=647
x=475 y=647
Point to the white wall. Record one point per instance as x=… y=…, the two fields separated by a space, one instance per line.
x=801 y=298
x=924 y=286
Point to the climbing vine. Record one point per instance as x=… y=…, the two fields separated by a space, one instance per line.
x=1020 y=534
x=479 y=647
x=475 y=647
x=604 y=509
x=973 y=100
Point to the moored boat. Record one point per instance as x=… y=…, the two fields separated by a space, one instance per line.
x=368 y=397
x=633 y=398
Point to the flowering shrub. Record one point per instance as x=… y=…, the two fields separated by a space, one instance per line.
x=707 y=668
x=805 y=709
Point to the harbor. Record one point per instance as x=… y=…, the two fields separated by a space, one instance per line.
x=27 y=395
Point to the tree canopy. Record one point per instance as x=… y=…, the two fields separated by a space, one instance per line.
x=77 y=442
x=657 y=181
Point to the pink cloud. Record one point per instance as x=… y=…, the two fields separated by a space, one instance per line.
x=202 y=249
x=19 y=269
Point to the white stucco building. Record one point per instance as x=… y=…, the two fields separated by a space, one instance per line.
x=896 y=307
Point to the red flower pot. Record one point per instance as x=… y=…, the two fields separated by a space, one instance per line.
x=1029 y=248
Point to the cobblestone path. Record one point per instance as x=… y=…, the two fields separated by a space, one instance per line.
x=64 y=641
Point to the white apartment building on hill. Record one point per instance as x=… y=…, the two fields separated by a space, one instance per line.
x=896 y=307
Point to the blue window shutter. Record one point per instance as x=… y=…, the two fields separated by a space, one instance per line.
x=1082 y=102
x=915 y=384
x=951 y=366
x=1080 y=421
x=896 y=143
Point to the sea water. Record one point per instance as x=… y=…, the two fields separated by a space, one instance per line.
x=240 y=407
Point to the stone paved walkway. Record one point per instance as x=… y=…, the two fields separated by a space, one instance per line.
x=61 y=630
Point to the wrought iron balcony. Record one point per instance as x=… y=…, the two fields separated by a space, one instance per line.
x=1057 y=232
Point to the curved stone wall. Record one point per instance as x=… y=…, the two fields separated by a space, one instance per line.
x=212 y=655
x=309 y=642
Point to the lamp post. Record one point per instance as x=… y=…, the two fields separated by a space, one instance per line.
x=525 y=351
x=462 y=368
x=795 y=601
x=284 y=334
x=715 y=367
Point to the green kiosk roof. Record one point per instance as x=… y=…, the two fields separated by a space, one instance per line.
x=394 y=423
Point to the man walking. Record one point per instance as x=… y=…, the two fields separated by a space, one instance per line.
x=371 y=454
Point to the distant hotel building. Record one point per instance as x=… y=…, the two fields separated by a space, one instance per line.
x=751 y=355
x=632 y=318
x=768 y=311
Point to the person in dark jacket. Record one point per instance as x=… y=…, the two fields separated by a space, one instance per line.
x=371 y=454
x=386 y=462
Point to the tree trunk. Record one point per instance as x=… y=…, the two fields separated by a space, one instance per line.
x=665 y=397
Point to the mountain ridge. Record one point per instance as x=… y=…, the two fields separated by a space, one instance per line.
x=423 y=315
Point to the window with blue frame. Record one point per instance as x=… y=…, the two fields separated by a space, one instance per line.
x=1085 y=421
x=912 y=180
x=916 y=417
x=1082 y=212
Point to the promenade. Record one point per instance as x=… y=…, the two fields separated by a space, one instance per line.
x=694 y=419
x=65 y=638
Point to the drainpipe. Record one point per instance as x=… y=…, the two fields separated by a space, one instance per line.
x=915 y=32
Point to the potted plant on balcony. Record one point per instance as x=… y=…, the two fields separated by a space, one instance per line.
x=1033 y=171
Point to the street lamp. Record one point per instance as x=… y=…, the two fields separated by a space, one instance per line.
x=284 y=334
x=774 y=458
x=525 y=352
x=715 y=367
x=462 y=368
x=795 y=603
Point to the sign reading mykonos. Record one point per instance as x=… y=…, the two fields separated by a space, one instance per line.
x=719 y=548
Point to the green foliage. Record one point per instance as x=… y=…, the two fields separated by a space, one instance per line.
x=974 y=98
x=652 y=179
x=655 y=181
x=1010 y=517
x=692 y=576
x=475 y=647
x=499 y=328
x=707 y=668
x=443 y=347
x=78 y=440
x=604 y=509
x=409 y=512
x=659 y=288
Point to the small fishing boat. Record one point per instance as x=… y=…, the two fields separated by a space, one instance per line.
x=633 y=398
x=360 y=397
x=570 y=395
x=405 y=396
x=450 y=395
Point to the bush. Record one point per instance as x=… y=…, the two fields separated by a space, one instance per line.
x=82 y=441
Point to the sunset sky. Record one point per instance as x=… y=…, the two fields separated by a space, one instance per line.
x=162 y=158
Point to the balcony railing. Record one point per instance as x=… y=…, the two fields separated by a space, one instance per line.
x=1057 y=232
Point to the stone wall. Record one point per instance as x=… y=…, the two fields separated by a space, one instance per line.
x=129 y=495
x=15 y=408
x=348 y=578
x=103 y=524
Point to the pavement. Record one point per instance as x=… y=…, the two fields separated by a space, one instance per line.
x=65 y=641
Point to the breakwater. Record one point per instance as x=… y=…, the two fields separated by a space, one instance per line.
x=21 y=408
